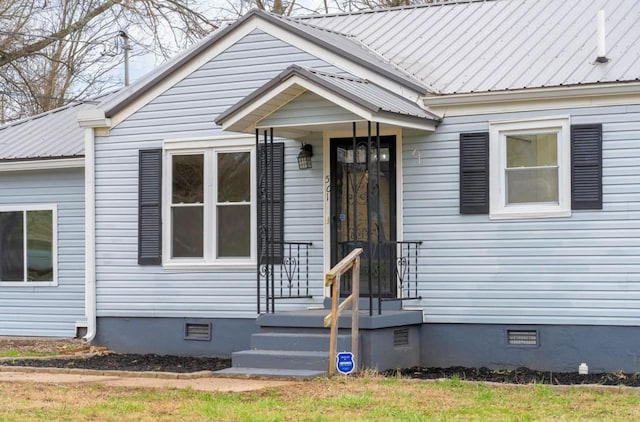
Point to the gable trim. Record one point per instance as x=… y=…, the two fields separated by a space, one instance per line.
x=247 y=114
x=225 y=38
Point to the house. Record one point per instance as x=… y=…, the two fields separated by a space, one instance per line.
x=42 y=239
x=484 y=154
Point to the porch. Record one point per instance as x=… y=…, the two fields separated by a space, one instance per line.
x=361 y=126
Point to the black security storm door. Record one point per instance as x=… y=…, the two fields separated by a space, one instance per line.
x=363 y=209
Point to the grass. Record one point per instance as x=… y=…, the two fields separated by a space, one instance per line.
x=368 y=398
x=24 y=354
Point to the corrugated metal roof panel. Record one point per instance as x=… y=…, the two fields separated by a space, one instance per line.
x=373 y=94
x=53 y=134
x=493 y=45
x=352 y=47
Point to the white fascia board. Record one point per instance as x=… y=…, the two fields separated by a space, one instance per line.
x=288 y=37
x=93 y=118
x=58 y=163
x=405 y=122
x=302 y=83
x=534 y=99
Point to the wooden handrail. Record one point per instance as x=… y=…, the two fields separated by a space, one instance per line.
x=332 y=278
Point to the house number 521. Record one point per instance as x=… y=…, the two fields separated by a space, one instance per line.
x=327 y=184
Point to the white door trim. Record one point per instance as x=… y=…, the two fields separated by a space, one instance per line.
x=361 y=130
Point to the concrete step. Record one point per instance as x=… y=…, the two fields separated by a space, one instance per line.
x=281 y=359
x=270 y=373
x=298 y=341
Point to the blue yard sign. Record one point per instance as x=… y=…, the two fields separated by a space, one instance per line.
x=344 y=363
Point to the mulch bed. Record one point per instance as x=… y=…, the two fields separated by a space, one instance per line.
x=184 y=364
x=519 y=376
x=127 y=362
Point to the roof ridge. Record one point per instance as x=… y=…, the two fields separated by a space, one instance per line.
x=41 y=115
x=433 y=3
x=74 y=103
x=310 y=25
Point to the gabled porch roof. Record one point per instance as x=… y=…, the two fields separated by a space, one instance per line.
x=344 y=99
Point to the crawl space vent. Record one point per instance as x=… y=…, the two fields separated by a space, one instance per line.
x=522 y=337
x=193 y=331
x=401 y=337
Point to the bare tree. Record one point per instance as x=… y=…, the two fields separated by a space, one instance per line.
x=51 y=52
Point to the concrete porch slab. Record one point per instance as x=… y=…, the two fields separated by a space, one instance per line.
x=313 y=318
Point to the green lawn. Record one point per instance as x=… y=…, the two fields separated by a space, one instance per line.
x=367 y=398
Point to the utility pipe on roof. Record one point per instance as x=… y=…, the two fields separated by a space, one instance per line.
x=602 y=46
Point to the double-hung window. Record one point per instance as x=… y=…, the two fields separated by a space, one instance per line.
x=211 y=206
x=28 y=245
x=530 y=170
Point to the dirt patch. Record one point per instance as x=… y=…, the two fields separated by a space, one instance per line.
x=38 y=345
x=127 y=362
x=72 y=353
x=519 y=376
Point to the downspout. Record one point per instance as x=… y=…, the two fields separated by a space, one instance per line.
x=90 y=120
x=89 y=234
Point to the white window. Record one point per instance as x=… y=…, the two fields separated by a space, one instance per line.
x=530 y=168
x=209 y=209
x=28 y=245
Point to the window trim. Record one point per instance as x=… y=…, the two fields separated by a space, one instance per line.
x=209 y=148
x=498 y=130
x=54 y=244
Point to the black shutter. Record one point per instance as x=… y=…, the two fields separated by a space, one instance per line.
x=586 y=167
x=149 y=207
x=271 y=210
x=474 y=173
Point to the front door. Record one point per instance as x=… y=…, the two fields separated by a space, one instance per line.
x=363 y=210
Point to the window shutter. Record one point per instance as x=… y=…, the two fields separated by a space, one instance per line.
x=271 y=210
x=586 y=167
x=474 y=173
x=149 y=207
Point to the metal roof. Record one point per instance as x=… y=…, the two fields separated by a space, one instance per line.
x=367 y=94
x=53 y=134
x=351 y=48
x=495 y=45
x=359 y=91
x=376 y=100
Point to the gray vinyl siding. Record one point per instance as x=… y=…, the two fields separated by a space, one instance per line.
x=584 y=269
x=53 y=311
x=308 y=108
x=188 y=109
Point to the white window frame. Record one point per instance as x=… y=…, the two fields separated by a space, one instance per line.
x=499 y=130
x=210 y=148
x=54 y=245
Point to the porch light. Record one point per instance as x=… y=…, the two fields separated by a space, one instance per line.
x=304 y=156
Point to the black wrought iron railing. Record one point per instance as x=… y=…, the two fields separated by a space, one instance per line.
x=406 y=269
x=389 y=270
x=285 y=276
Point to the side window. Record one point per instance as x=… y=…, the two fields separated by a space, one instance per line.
x=28 y=245
x=530 y=168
